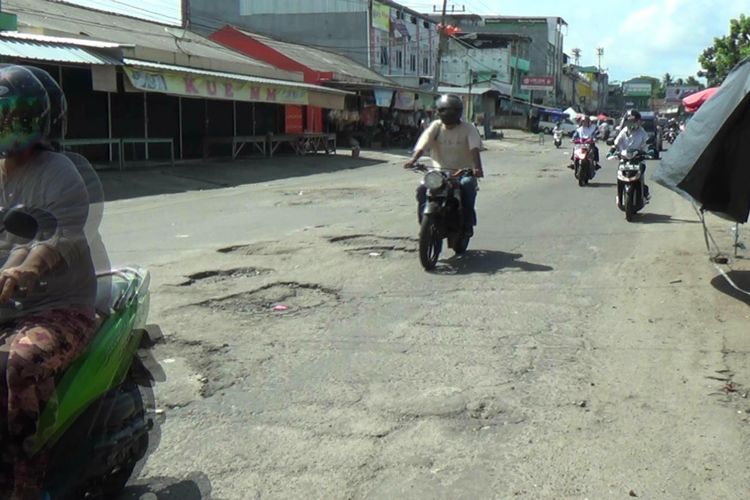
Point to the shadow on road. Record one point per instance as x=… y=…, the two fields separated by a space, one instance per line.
x=652 y=218
x=487 y=262
x=196 y=487
x=741 y=279
x=602 y=184
x=218 y=174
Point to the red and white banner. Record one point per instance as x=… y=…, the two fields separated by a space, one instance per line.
x=538 y=83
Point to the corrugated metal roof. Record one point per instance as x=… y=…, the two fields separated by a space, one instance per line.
x=174 y=43
x=97 y=44
x=55 y=52
x=234 y=76
x=346 y=69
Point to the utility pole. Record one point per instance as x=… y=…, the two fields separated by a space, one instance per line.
x=185 y=4
x=513 y=80
x=441 y=48
x=599 y=54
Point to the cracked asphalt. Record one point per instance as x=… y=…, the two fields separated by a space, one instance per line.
x=568 y=354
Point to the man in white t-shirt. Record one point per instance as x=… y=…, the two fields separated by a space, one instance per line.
x=633 y=136
x=455 y=145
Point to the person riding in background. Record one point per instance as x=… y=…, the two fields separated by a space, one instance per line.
x=633 y=136
x=455 y=145
x=55 y=322
x=587 y=130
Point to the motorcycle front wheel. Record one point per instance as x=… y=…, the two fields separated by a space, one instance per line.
x=430 y=244
x=629 y=203
x=583 y=174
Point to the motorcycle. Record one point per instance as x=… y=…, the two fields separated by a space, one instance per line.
x=671 y=136
x=583 y=163
x=557 y=134
x=442 y=217
x=97 y=428
x=630 y=193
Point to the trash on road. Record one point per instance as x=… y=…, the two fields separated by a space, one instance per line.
x=280 y=308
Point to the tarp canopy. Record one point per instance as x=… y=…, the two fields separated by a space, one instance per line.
x=710 y=161
x=572 y=113
x=696 y=100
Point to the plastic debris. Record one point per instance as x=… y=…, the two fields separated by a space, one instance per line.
x=374 y=254
x=280 y=308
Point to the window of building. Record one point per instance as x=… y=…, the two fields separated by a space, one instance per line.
x=425 y=66
x=399 y=59
x=413 y=63
x=413 y=20
x=399 y=14
x=384 y=56
x=426 y=25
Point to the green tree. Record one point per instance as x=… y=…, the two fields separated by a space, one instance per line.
x=693 y=81
x=718 y=60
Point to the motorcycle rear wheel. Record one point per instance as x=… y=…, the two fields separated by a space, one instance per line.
x=430 y=244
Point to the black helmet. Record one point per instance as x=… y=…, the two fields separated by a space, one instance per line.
x=450 y=109
x=58 y=103
x=24 y=111
x=632 y=114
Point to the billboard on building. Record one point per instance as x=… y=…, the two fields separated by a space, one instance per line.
x=676 y=93
x=381 y=16
x=546 y=83
x=636 y=89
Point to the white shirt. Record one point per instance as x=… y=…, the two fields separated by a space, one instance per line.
x=638 y=139
x=451 y=147
x=586 y=132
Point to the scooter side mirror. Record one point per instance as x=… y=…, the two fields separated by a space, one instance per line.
x=28 y=223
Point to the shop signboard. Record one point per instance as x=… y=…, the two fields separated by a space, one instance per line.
x=546 y=83
x=636 y=89
x=193 y=85
x=381 y=16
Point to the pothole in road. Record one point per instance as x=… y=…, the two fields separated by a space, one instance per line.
x=370 y=244
x=275 y=299
x=310 y=196
x=218 y=276
x=261 y=248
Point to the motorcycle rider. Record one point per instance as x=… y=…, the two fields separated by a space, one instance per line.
x=557 y=129
x=454 y=145
x=586 y=130
x=56 y=323
x=633 y=136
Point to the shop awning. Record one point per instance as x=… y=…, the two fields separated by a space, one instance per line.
x=61 y=50
x=184 y=81
x=502 y=88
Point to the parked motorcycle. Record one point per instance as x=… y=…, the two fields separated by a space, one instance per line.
x=96 y=430
x=442 y=217
x=630 y=194
x=583 y=160
x=557 y=134
x=671 y=136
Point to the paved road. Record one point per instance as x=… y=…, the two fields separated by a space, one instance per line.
x=569 y=354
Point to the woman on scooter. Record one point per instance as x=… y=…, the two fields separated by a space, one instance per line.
x=50 y=325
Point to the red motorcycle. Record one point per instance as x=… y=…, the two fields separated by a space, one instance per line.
x=583 y=160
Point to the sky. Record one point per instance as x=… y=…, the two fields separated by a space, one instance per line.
x=639 y=37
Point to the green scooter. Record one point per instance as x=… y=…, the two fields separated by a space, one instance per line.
x=98 y=427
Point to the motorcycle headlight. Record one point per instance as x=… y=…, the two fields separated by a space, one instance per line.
x=433 y=180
